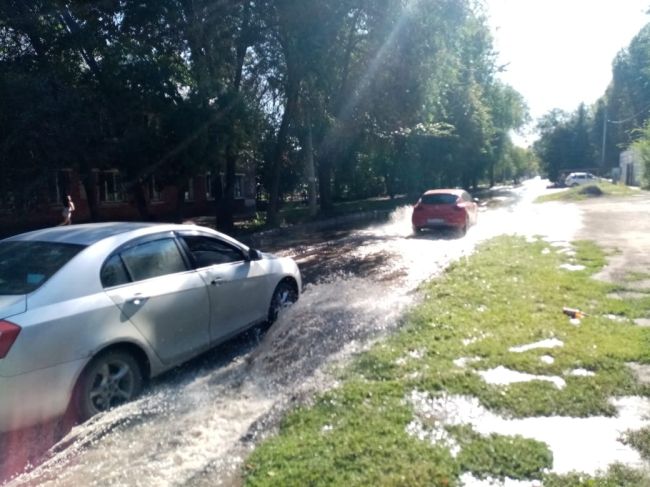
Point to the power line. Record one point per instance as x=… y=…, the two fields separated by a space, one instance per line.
x=616 y=122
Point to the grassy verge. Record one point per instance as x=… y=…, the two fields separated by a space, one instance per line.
x=511 y=292
x=579 y=193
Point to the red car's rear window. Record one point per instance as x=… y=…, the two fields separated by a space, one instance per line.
x=439 y=199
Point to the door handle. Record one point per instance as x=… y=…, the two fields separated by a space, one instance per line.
x=137 y=299
x=215 y=281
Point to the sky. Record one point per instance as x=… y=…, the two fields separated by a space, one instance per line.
x=559 y=53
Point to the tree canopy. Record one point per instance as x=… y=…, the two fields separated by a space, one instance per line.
x=370 y=97
x=593 y=137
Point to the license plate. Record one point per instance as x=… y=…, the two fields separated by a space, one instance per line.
x=435 y=221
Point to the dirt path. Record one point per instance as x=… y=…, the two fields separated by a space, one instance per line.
x=622 y=227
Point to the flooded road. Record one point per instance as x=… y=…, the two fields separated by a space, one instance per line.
x=196 y=425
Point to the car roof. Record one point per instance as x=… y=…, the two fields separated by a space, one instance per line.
x=90 y=233
x=454 y=191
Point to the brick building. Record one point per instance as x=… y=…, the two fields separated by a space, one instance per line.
x=114 y=203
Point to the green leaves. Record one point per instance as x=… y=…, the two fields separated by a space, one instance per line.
x=396 y=96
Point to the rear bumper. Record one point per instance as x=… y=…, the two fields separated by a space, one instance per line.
x=447 y=222
x=38 y=396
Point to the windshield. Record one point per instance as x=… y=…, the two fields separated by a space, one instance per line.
x=25 y=266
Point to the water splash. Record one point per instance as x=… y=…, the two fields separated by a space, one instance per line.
x=197 y=425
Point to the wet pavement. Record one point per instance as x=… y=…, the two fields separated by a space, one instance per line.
x=195 y=425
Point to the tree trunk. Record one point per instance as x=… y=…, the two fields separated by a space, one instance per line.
x=325 y=182
x=138 y=192
x=311 y=173
x=89 y=184
x=180 y=201
x=280 y=153
x=226 y=210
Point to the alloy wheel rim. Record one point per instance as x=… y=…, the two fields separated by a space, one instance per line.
x=283 y=299
x=113 y=384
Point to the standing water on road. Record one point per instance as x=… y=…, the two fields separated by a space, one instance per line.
x=197 y=425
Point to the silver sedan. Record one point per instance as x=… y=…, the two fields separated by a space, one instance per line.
x=88 y=313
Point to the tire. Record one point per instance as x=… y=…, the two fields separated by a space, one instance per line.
x=462 y=231
x=110 y=379
x=285 y=295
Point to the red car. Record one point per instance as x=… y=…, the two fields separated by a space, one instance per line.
x=440 y=208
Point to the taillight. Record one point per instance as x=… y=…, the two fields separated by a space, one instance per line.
x=8 y=334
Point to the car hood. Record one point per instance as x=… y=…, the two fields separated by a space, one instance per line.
x=12 y=305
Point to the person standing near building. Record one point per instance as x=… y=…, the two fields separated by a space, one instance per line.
x=68 y=208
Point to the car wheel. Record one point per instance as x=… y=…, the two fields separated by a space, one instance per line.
x=463 y=230
x=284 y=295
x=110 y=379
x=573 y=185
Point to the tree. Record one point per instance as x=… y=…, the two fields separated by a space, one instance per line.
x=642 y=146
x=377 y=96
x=566 y=142
x=626 y=102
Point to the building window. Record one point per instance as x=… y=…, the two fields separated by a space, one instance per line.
x=110 y=187
x=209 y=187
x=154 y=190
x=189 y=192
x=58 y=186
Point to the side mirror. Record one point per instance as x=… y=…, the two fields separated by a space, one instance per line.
x=254 y=254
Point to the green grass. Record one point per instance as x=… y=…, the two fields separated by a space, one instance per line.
x=578 y=193
x=640 y=440
x=509 y=293
x=637 y=276
x=504 y=456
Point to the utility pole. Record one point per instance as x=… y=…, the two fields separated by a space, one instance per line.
x=602 y=151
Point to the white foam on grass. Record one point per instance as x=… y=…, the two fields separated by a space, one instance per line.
x=572 y=267
x=502 y=376
x=586 y=445
x=547 y=343
x=462 y=362
x=581 y=373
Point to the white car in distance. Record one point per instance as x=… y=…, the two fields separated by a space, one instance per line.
x=580 y=178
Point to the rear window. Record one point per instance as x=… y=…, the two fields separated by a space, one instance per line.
x=25 y=266
x=439 y=199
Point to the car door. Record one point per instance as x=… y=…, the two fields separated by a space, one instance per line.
x=166 y=301
x=238 y=286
